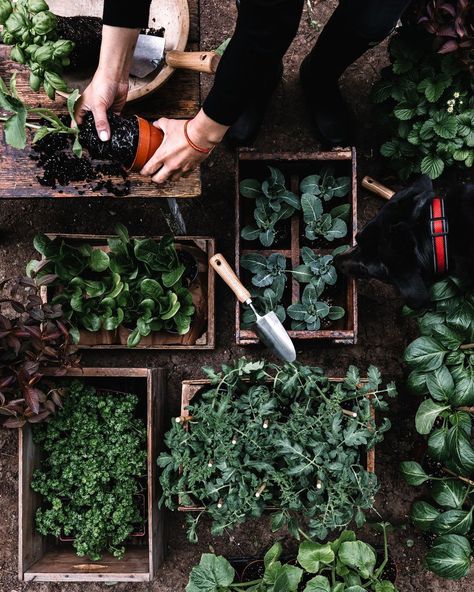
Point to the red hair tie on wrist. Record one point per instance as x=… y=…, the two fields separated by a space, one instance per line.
x=192 y=144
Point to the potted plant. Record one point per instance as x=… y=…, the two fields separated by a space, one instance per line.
x=138 y=287
x=291 y=224
x=285 y=438
x=133 y=140
x=33 y=335
x=345 y=563
x=48 y=44
x=441 y=370
x=426 y=108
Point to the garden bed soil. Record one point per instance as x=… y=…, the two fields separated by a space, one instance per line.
x=296 y=166
x=47 y=559
x=202 y=332
x=192 y=388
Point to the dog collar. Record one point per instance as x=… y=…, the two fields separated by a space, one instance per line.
x=439 y=235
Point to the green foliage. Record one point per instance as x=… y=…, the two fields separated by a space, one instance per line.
x=442 y=369
x=16 y=124
x=94 y=454
x=30 y=28
x=342 y=564
x=138 y=283
x=427 y=108
x=265 y=436
x=270 y=278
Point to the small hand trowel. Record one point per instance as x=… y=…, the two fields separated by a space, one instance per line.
x=150 y=55
x=268 y=327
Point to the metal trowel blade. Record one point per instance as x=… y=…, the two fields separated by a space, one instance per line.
x=272 y=333
x=148 y=55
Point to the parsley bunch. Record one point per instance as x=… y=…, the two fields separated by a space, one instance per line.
x=280 y=437
x=94 y=453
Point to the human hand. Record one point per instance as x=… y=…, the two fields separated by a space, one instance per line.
x=176 y=158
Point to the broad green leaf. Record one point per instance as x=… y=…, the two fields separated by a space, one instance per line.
x=273 y=554
x=318 y=584
x=423 y=515
x=413 y=472
x=14 y=128
x=450 y=557
x=427 y=414
x=99 y=260
x=449 y=493
x=212 y=574
x=440 y=384
x=424 y=354
x=359 y=556
x=311 y=555
x=151 y=289
x=432 y=166
x=251 y=188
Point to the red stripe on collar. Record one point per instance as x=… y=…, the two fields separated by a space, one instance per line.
x=439 y=235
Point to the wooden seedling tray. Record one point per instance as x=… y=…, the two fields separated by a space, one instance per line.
x=202 y=332
x=45 y=559
x=191 y=388
x=251 y=164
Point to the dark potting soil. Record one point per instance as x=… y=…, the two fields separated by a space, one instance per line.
x=191 y=266
x=122 y=145
x=60 y=167
x=86 y=33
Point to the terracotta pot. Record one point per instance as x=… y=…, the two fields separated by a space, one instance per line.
x=149 y=140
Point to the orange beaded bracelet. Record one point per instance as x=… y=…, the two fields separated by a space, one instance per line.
x=192 y=144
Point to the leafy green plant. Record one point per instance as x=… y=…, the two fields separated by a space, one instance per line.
x=274 y=202
x=308 y=314
x=33 y=335
x=282 y=437
x=16 y=124
x=94 y=455
x=31 y=29
x=345 y=563
x=137 y=283
x=442 y=370
x=427 y=108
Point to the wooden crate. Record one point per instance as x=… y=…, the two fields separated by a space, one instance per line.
x=191 y=388
x=202 y=332
x=296 y=166
x=45 y=559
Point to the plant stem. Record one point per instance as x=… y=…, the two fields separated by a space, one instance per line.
x=467 y=409
x=304 y=535
x=381 y=567
x=460 y=477
x=27 y=124
x=467 y=346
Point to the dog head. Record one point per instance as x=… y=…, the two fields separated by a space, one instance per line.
x=389 y=246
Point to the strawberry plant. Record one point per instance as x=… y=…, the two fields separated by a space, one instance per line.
x=94 y=455
x=442 y=370
x=33 y=335
x=282 y=437
x=427 y=108
x=345 y=563
x=141 y=284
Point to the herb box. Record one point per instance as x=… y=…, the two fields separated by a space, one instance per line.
x=292 y=238
x=47 y=559
x=192 y=388
x=202 y=332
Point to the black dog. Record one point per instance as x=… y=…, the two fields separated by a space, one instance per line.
x=397 y=245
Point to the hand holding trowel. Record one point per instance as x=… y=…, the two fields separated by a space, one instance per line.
x=268 y=327
x=150 y=54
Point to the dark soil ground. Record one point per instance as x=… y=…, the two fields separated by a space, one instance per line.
x=383 y=334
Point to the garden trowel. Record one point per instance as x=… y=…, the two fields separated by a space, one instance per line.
x=268 y=327
x=150 y=55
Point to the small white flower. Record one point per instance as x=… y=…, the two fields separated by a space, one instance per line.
x=456 y=95
x=450 y=109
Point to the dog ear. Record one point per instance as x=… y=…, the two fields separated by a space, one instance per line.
x=412 y=288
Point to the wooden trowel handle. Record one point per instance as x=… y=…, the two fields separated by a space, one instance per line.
x=377 y=188
x=198 y=61
x=226 y=272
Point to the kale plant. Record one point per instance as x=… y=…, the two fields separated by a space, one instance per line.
x=345 y=563
x=273 y=202
x=427 y=108
x=285 y=438
x=442 y=370
x=94 y=455
x=137 y=283
x=308 y=314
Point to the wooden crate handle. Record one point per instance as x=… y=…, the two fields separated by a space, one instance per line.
x=377 y=188
x=198 y=61
x=226 y=272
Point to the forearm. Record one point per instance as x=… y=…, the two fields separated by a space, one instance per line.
x=116 y=52
x=263 y=33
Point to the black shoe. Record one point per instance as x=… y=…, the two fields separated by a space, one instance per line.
x=330 y=116
x=246 y=128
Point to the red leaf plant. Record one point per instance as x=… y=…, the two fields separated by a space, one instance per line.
x=33 y=335
x=452 y=24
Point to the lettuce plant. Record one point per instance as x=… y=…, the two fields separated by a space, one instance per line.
x=138 y=283
x=427 y=108
x=345 y=563
x=93 y=457
x=441 y=362
x=33 y=335
x=285 y=437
